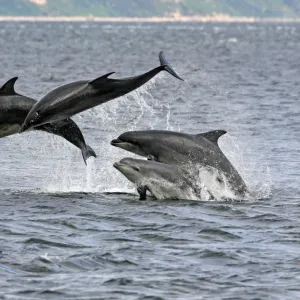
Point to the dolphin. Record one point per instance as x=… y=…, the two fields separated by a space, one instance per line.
x=73 y=98
x=14 y=109
x=176 y=148
x=161 y=180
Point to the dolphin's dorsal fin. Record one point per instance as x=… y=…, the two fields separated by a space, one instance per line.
x=212 y=136
x=8 y=88
x=99 y=80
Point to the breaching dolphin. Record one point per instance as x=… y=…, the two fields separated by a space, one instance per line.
x=73 y=98
x=161 y=180
x=176 y=148
x=14 y=109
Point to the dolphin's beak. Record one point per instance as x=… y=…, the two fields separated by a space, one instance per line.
x=119 y=165
x=116 y=165
x=119 y=143
x=116 y=142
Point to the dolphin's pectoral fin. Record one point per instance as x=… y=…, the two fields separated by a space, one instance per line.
x=88 y=152
x=101 y=79
x=150 y=157
x=8 y=88
x=212 y=136
x=142 y=190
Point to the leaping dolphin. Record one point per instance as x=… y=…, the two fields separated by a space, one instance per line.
x=73 y=98
x=14 y=109
x=176 y=148
x=161 y=180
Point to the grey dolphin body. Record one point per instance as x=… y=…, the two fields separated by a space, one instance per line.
x=73 y=98
x=177 y=148
x=161 y=180
x=14 y=109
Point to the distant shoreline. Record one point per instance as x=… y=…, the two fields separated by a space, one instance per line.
x=177 y=18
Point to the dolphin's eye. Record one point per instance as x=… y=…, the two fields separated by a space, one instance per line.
x=136 y=168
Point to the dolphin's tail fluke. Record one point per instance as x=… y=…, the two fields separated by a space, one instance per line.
x=88 y=152
x=166 y=66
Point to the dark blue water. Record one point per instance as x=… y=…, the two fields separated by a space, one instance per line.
x=68 y=231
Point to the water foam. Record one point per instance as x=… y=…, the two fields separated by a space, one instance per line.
x=130 y=112
x=136 y=111
x=255 y=173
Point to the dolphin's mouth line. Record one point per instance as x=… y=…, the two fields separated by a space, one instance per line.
x=118 y=141
x=119 y=166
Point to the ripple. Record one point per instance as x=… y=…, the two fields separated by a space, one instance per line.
x=44 y=293
x=219 y=233
x=118 y=281
x=161 y=238
x=44 y=242
x=216 y=254
x=268 y=218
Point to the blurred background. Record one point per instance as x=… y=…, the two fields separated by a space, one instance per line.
x=148 y=8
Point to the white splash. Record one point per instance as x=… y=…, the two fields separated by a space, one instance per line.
x=139 y=110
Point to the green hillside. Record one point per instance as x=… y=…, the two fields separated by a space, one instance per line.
x=18 y=7
x=147 y=8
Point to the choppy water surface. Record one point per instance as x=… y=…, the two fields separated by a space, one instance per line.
x=68 y=231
